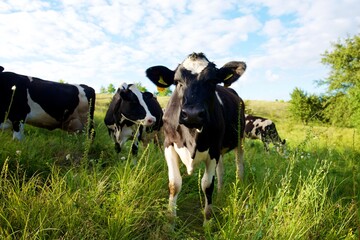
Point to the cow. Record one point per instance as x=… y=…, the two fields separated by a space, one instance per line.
x=128 y=110
x=202 y=122
x=45 y=104
x=265 y=130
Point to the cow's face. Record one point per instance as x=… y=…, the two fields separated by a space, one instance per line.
x=196 y=79
x=133 y=106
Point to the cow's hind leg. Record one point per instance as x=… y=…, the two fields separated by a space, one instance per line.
x=207 y=185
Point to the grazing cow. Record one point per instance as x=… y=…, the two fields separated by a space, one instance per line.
x=202 y=121
x=263 y=129
x=128 y=109
x=44 y=104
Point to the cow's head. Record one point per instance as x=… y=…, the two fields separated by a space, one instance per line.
x=132 y=106
x=196 y=79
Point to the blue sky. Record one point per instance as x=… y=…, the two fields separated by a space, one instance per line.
x=98 y=42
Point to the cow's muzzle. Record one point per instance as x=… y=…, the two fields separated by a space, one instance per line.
x=192 y=117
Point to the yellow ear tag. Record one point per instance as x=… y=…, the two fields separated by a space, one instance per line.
x=160 y=89
x=161 y=81
x=229 y=76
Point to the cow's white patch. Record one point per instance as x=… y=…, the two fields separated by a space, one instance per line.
x=82 y=110
x=188 y=161
x=218 y=97
x=20 y=134
x=149 y=119
x=37 y=116
x=30 y=78
x=261 y=123
x=125 y=133
x=195 y=67
x=123 y=86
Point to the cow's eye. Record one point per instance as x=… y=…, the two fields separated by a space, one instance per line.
x=176 y=82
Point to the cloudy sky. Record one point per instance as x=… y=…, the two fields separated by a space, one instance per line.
x=98 y=42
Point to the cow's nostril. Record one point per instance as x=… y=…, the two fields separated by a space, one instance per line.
x=183 y=114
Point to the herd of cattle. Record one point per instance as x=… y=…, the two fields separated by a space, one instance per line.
x=201 y=122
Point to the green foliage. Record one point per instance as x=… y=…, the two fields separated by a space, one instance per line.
x=141 y=87
x=344 y=81
x=111 y=88
x=306 y=107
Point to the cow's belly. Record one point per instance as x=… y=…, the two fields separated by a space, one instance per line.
x=38 y=117
x=41 y=119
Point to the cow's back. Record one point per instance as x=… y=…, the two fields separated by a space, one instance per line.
x=56 y=99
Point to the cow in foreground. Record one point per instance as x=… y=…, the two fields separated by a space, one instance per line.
x=265 y=130
x=44 y=104
x=129 y=110
x=202 y=121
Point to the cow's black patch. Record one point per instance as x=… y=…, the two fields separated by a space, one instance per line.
x=48 y=96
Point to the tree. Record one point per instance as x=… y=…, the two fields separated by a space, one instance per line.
x=111 y=88
x=299 y=108
x=307 y=107
x=141 y=87
x=344 y=81
x=102 y=89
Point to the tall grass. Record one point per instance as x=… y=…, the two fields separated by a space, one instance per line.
x=56 y=185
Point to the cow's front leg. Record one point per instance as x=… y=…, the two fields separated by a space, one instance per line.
x=207 y=185
x=175 y=180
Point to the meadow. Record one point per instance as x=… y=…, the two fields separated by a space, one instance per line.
x=56 y=185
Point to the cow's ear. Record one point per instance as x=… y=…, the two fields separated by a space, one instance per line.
x=231 y=72
x=161 y=76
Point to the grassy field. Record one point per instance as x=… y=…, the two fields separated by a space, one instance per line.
x=56 y=185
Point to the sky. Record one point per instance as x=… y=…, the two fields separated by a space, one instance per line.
x=102 y=42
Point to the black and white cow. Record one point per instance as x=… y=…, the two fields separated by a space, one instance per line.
x=202 y=121
x=265 y=130
x=130 y=109
x=44 y=104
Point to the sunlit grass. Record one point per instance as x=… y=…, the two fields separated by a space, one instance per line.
x=56 y=185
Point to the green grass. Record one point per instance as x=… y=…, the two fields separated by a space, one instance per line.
x=56 y=185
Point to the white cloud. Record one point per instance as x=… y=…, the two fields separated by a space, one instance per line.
x=270 y=76
x=99 y=42
x=274 y=28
